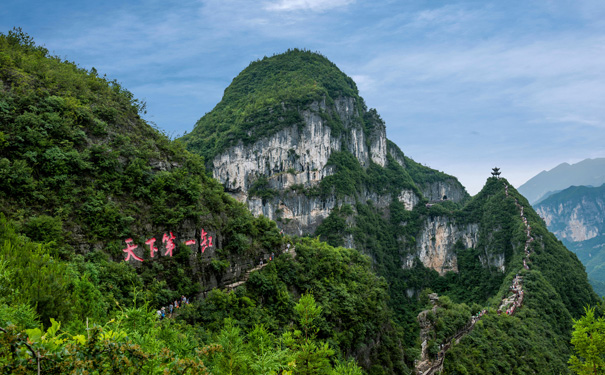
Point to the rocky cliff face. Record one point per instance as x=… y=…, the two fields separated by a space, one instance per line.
x=576 y=216
x=435 y=244
x=295 y=159
x=277 y=157
x=576 y=219
x=447 y=189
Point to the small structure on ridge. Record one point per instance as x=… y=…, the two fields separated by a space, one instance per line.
x=496 y=172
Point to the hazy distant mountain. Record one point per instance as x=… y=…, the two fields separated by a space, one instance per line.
x=576 y=216
x=588 y=172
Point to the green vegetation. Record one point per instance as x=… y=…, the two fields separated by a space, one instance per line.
x=75 y=153
x=82 y=172
x=589 y=344
x=352 y=300
x=266 y=97
x=554 y=295
x=534 y=340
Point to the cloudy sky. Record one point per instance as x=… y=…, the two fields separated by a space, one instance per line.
x=462 y=85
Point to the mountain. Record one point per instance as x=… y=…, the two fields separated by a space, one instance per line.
x=104 y=220
x=291 y=138
x=294 y=141
x=589 y=172
x=576 y=216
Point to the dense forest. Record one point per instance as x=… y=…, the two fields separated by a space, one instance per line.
x=86 y=183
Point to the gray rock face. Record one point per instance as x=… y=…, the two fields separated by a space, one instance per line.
x=576 y=219
x=295 y=159
x=409 y=199
x=439 y=190
x=576 y=216
x=435 y=244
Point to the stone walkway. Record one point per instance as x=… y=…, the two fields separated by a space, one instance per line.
x=232 y=286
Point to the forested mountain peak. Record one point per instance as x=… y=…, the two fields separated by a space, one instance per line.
x=289 y=73
x=265 y=98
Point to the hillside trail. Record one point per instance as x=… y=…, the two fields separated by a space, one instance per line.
x=232 y=286
x=245 y=277
x=511 y=302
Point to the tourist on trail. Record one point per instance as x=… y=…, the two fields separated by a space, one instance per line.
x=170 y=309
x=272 y=256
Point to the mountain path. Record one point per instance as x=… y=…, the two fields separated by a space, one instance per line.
x=232 y=286
x=509 y=304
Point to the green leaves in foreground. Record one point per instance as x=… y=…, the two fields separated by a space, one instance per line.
x=588 y=339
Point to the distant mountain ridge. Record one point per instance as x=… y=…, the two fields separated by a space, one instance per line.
x=588 y=172
x=576 y=216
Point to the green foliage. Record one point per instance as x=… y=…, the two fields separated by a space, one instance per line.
x=307 y=311
x=343 y=304
x=36 y=278
x=349 y=177
x=422 y=174
x=334 y=228
x=260 y=188
x=266 y=97
x=588 y=339
x=76 y=155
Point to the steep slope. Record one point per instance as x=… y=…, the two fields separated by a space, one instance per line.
x=284 y=132
x=81 y=168
x=325 y=173
x=576 y=216
x=555 y=289
x=589 y=172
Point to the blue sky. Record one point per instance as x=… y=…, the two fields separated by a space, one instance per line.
x=462 y=85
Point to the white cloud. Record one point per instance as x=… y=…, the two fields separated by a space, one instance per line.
x=312 y=5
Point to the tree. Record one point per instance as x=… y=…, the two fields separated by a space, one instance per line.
x=588 y=339
x=307 y=311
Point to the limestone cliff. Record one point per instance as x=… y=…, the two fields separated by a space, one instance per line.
x=296 y=156
x=448 y=189
x=575 y=214
x=435 y=244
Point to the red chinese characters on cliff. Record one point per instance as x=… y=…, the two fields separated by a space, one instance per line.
x=206 y=241
x=129 y=250
x=168 y=241
x=152 y=249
